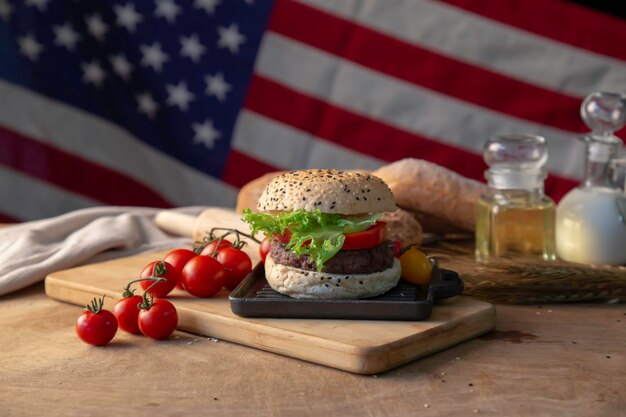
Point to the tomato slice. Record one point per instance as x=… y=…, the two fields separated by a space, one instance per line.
x=366 y=239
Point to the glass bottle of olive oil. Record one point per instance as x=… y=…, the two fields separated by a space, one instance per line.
x=515 y=218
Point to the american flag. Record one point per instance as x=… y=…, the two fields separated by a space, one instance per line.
x=180 y=102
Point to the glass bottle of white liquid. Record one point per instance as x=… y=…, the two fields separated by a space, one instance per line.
x=591 y=219
x=515 y=218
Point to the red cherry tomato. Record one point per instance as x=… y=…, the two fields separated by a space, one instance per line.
x=366 y=239
x=237 y=264
x=265 y=247
x=159 y=320
x=210 y=249
x=96 y=326
x=178 y=258
x=397 y=248
x=159 y=269
x=127 y=310
x=203 y=276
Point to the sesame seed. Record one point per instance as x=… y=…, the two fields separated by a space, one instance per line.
x=361 y=282
x=358 y=198
x=326 y=285
x=337 y=285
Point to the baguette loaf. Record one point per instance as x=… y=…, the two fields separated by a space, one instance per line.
x=439 y=197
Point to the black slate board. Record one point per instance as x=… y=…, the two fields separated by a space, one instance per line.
x=406 y=301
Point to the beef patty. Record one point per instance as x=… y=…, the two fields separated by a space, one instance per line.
x=364 y=261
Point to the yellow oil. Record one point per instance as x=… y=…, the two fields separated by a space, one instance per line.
x=515 y=229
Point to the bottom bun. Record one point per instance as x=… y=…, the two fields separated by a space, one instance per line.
x=298 y=283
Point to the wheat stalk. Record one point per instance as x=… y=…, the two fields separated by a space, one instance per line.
x=526 y=281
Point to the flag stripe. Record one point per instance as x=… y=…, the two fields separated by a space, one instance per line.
x=33 y=199
x=578 y=26
x=352 y=130
x=242 y=168
x=260 y=137
x=6 y=219
x=429 y=69
x=402 y=105
x=73 y=173
x=486 y=43
x=363 y=134
x=108 y=145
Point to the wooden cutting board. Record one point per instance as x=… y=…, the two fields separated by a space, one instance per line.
x=364 y=347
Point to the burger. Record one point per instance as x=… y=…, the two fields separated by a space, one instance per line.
x=326 y=238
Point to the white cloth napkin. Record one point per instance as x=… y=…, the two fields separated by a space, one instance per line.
x=30 y=251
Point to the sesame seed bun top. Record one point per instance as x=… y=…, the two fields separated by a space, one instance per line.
x=330 y=191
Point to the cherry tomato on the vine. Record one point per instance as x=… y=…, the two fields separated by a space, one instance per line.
x=237 y=264
x=159 y=320
x=159 y=269
x=416 y=267
x=178 y=258
x=213 y=246
x=127 y=310
x=96 y=326
x=265 y=247
x=203 y=276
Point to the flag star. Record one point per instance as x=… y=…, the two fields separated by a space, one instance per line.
x=167 y=9
x=96 y=27
x=5 y=10
x=121 y=66
x=179 y=95
x=153 y=56
x=230 y=37
x=127 y=16
x=205 y=133
x=217 y=86
x=40 y=4
x=191 y=47
x=93 y=73
x=65 y=36
x=30 y=47
x=207 y=5
x=147 y=105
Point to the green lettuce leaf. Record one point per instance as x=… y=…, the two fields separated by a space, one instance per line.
x=319 y=235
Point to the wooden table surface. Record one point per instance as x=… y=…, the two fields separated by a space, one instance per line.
x=566 y=360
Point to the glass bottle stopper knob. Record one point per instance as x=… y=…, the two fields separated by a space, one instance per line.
x=604 y=112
